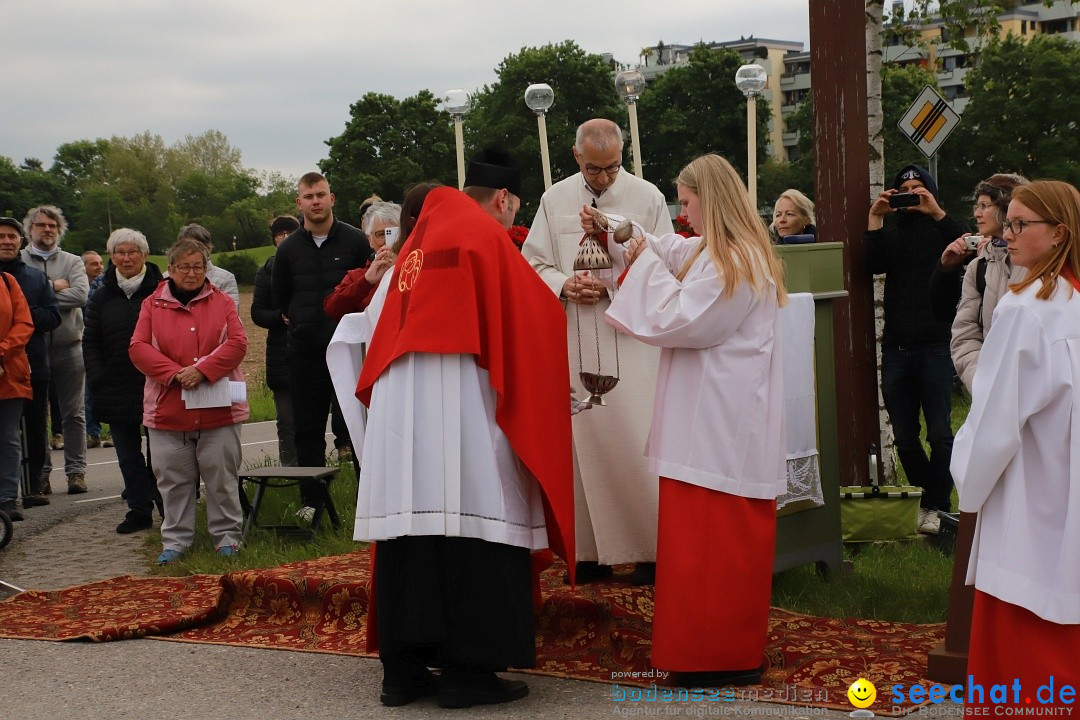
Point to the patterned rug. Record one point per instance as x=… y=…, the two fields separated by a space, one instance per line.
x=601 y=633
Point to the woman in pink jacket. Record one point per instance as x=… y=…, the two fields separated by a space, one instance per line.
x=189 y=342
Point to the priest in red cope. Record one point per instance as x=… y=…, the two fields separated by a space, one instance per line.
x=467 y=464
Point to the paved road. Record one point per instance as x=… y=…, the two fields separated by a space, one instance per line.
x=73 y=541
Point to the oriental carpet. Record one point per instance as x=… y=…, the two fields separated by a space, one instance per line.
x=600 y=633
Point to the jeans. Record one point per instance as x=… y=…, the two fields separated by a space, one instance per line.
x=69 y=378
x=93 y=427
x=139 y=484
x=10 y=448
x=921 y=378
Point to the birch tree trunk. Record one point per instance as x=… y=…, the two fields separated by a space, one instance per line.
x=876 y=134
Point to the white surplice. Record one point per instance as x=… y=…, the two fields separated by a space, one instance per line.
x=434 y=460
x=718 y=418
x=1016 y=460
x=616 y=494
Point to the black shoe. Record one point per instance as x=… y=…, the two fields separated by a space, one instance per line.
x=468 y=689
x=722 y=678
x=589 y=571
x=134 y=522
x=644 y=574
x=8 y=506
x=34 y=499
x=395 y=694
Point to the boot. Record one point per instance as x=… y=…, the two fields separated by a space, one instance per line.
x=76 y=483
x=8 y=506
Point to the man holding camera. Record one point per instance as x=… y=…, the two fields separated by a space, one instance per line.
x=916 y=368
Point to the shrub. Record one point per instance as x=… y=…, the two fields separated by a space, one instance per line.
x=241 y=265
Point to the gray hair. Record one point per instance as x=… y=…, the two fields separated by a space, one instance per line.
x=188 y=246
x=387 y=213
x=51 y=211
x=601 y=133
x=195 y=231
x=127 y=236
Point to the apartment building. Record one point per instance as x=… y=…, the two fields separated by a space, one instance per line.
x=788 y=63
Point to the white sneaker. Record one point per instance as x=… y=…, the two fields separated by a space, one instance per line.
x=929 y=522
x=307 y=512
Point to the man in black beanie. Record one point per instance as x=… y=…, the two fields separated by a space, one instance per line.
x=267 y=315
x=916 y=367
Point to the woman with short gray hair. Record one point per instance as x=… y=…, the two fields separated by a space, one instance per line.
x=381 y=225
x=114 y=383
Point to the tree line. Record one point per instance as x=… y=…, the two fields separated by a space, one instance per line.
x=1021 y=117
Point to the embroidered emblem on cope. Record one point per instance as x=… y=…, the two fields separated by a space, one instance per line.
x=410 y=269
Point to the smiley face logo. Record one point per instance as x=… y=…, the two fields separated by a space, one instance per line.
x=862 y=693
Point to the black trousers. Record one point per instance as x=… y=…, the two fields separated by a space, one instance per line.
x=313 y=399
x=454 y=602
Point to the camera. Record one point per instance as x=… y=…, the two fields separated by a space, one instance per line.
x=904 y=200
x=972 y=242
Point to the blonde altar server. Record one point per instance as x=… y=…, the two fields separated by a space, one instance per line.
x=1016 y=462
x=712 y=303
x=615 y=493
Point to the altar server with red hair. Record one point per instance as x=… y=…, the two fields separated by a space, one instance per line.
x=1016 y=462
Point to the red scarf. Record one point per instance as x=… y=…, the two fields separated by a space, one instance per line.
x=461 y=287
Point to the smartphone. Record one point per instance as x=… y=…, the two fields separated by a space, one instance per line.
x=904 y=200
x=392 y=236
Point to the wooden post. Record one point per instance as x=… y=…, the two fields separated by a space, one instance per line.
x=842 y=185
x=947 y=663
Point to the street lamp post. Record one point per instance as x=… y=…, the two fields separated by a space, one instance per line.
x=630 y=84
x=538 y=98
x=108 y=204
x=750 y=79
x=456 y=102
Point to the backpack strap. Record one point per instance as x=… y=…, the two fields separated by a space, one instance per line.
x=980 y=285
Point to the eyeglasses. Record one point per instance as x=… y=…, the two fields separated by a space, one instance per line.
x=981 y=206
x=126 y=253
x=1017 y=226
x=612 y=169
x=381 y=233
x=46 y=225
x=186 y=269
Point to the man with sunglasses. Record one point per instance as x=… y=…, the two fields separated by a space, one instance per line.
x=616 y=494
x=45 y=225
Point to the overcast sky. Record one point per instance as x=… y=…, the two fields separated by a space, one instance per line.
x=278 y=77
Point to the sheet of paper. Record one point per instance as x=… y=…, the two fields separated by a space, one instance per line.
x=238 y=391
x=208 y=395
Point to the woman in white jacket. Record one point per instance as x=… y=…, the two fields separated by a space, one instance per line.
x=1013 y=460
x=712 y=303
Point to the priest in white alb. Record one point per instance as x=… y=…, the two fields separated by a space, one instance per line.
x=615 y=494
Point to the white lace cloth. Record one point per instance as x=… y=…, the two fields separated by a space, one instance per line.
x=803 y=468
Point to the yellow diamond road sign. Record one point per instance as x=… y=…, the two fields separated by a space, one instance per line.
x=928 y=121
